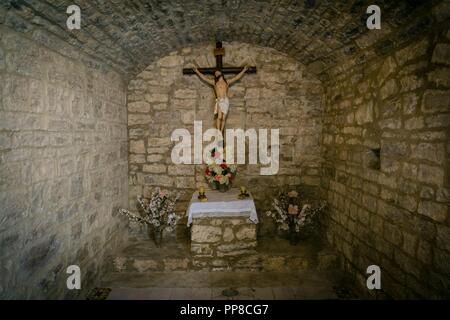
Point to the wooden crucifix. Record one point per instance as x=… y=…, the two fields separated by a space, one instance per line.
x=219 y=82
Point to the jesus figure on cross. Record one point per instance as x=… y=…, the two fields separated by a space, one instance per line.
x=221 y=86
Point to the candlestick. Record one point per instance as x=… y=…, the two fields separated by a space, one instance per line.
x=201 y=194
x=243 y=194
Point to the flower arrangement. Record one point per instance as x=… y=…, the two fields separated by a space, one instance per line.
x=288 y=215
x=158 y=211
x=218 y=172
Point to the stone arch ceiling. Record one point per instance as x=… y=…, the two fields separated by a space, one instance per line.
x=130 y=34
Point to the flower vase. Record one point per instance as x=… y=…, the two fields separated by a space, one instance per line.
x=224 y=187
x=213 y=185
x=293 y=235
x=157 y=236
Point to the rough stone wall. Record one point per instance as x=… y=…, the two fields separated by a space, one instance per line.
x=280 y=95
x=63 y=166
x=393 y=212
x=220 y=244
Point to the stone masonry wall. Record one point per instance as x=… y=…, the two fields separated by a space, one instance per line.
x=63 y=165
x=220 y=244
x=280 y=95
x=317 y=33
x=393 y=212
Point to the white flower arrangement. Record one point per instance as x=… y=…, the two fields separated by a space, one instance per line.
x=285 y=210
x=158 y=211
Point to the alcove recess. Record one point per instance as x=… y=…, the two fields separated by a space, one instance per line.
x=371 y=157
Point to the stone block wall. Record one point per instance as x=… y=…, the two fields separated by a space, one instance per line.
x=63 y=165
x=221 y=244
x=386 y=171
x=162 y=99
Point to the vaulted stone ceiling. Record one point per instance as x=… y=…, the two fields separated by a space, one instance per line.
x=129 y=34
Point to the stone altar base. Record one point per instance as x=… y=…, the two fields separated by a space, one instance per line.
x=223 y=243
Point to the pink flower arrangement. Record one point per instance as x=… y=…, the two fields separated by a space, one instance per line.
x=292 y=209
x=288 y=206
x=220 y=173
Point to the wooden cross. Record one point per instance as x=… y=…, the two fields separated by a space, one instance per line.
x=219 y=52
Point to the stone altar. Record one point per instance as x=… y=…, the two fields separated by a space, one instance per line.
x=222 y=239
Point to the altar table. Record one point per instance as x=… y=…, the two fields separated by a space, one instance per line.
x=223 y=231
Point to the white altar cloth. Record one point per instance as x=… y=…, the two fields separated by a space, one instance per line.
x=222 y=204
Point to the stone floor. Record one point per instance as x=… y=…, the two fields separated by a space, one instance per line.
x=209 y=285
x=142 y=271
x=271 y=254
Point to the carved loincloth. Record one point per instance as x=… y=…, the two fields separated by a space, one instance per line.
x=223 y=104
